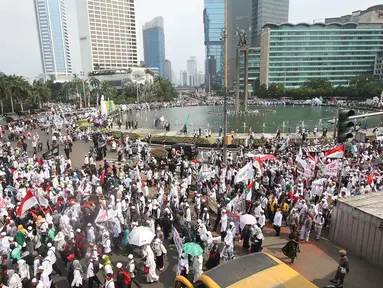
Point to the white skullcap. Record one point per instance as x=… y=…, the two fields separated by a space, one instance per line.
x=49 y=245
x=130 y=257
x=118 y=265
x=78 y=230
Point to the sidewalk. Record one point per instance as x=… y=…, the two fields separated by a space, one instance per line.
x=318 y=261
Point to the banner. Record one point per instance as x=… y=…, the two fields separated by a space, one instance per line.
x=177 y=240
x=212 y=204
x=232 y=217
x=331 y=169
x=51 y=153
x=246 y=172
x=309 y=169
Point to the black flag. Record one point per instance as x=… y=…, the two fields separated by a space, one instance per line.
x=51 y=153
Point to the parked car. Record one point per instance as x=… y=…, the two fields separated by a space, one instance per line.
x=191 y=151
x=136 y=145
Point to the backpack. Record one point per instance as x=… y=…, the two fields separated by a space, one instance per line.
x=127 y=280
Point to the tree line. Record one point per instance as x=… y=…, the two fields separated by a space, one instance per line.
x=359 y=88
x=17 y=94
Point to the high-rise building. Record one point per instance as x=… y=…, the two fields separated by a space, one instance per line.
x=201 y=78
x=168 y=70
x=371 y=15
x=107 y=31
x=291 y=54
x=184 y=78
x=192 y=71
x=214 y=19
x=154 y=44
x=238 y=17
x=53 y=35
x=267 y=11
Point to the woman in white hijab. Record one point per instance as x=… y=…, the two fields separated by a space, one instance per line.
x=23 y=270
x=151 y=276
x=59 y=241
x=77 y=271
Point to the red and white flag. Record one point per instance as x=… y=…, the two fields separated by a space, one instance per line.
x=28 y=202
x=337 y=152
x=370 y=179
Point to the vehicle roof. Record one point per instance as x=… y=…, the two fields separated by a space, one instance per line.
x=240 y=268
x=258 y=270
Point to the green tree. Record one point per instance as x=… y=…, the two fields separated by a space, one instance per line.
x=20 y=90
x=108 y=90
x=5 y=92
x=317 y=83
x=40 y=92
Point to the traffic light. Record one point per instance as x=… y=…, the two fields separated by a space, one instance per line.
x=344 y=125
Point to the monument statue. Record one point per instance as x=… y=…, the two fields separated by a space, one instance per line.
x=243 y=38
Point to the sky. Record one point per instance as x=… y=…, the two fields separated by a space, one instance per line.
x=19 y=47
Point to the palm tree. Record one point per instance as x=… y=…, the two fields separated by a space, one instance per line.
x=4 y=90
x=20 y=89
x=40 y=92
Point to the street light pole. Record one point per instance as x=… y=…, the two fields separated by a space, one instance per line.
x=224 y=36
x=83 y=86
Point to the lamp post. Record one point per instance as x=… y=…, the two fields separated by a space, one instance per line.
x=224 y=38
x=82 y=73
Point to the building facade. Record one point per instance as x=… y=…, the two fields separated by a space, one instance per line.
x=168 y=70
x=154 y=44
x=267 y=11
x=253 y=69
x=119 y=78
x=107 y=32
x=53 y=36
x=372 y=14
x=239 y=15
x=292 y=54
x=183 y=78
x=378 y=68
x=192 y=71
x=213 y=19
x=201 y=78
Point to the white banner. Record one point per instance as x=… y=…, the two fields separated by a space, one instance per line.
x=177 y=240
x=246 y=172
x=331 y=169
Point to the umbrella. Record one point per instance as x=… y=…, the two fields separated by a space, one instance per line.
x=192 y=249
x=247 y=219
x=140 y=236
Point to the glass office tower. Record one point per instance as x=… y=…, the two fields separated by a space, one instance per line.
x=53 y=34
x=154 y=44
x=214 y=20
x=292 y=54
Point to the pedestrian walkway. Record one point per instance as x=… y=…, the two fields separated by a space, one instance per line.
x=317 y=261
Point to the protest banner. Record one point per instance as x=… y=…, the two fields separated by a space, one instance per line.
x=331 y=169
x=232 y=217
x=177 y=240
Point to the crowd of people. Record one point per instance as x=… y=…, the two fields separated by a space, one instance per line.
x=65 y=220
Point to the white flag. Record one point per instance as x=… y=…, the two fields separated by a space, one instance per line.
x=331 y=169
x=246 y=172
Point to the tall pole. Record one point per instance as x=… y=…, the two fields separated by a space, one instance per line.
x=237 y=86
x=225 y=84
x=246 y=78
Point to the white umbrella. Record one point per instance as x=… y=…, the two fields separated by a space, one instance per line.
x=140 y=236
x=247 y=219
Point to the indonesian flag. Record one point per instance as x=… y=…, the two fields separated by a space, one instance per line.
x=27 y=203
x=312 y=158
x=370 y=179
x=337 y=152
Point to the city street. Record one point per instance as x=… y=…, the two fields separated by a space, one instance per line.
x=317 y=260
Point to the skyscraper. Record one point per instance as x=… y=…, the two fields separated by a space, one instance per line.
x=184 y=78
x=53 y=35
x=168 y=70
x=192 y=71
x=239 y=14
x=213 y=19
x=154 y=44
x=107 y=31
x=267 y=11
